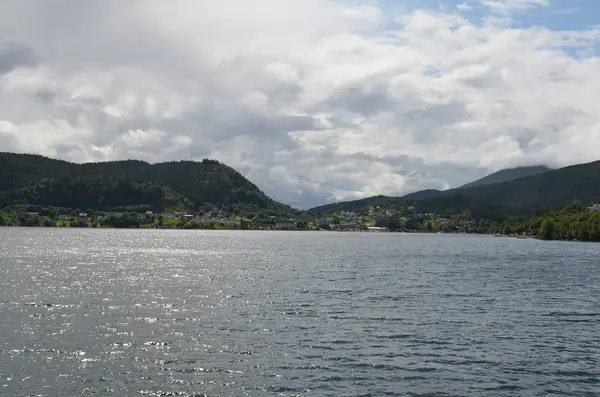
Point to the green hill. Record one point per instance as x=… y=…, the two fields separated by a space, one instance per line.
x=508 y=174
x=357 y=205
x=423 y=194
x=37 y=180
x=550 y=190
x=537 y=192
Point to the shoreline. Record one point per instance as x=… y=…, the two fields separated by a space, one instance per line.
x=292 y=230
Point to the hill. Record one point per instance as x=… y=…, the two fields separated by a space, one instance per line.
x=119 y=185
x=508 y=174
x=497 y=177
x=533 y=194
x=423 y=194
x=546 y=191
x=356 y=205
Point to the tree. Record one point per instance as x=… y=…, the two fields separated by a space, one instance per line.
x=547 y=228
x=53 y=213
x=428 y=227
x=412 y=224
x=301 y=225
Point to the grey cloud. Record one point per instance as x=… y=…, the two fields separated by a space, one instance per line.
x=365 y=99
x=13 y=55
x=248 y=84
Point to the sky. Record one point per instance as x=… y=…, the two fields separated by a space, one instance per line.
x=313 y=100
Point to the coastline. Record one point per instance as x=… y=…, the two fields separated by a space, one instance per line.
x=298 y=230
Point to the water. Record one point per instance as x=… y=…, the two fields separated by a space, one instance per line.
x=148 y=313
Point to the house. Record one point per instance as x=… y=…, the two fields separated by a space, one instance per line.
x=32 y=214
x=594 y=208
x=285 y=224
x=83 y=214
x=149 y=213
x=377 y=229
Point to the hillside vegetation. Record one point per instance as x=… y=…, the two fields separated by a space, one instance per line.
x=534 y=194
x=119 y=185
x=508 y=174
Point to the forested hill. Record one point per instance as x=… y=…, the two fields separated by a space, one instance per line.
x=533 y=194
x=357 y=205
x=505 y=175
x=38 y=180
x=508 y=174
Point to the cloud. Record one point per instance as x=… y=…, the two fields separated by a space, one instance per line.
x=313 y=100
x=13 y=55
x=514 y=5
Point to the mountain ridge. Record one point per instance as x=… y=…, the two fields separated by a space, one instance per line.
x=535 y=192
x=508 y=174
x=39 y=180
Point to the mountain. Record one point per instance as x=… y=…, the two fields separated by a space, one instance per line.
x=551 y=190
x=538 y=192
x=504 y=175
x=508 y=174
x=497 y=177
x=356 y=205
x=423 y=194
x=118 y=185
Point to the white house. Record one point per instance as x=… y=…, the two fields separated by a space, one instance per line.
x=377 y=229
x=594 y=208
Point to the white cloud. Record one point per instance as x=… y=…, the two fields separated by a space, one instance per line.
x=514 y=5
x=311 y=99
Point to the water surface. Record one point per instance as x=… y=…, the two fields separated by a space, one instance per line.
x=193 y=313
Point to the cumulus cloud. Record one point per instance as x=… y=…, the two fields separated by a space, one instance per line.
x=313 y=100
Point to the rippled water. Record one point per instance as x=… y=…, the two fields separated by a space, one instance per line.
x=160 y=313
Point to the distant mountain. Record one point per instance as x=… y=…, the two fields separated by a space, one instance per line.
x=423 y=194
x=504 y=175
x=497 y=177
x=536 y=192
x=37 y=180
x=551 y=190
x=356 y=205
x=508 y=174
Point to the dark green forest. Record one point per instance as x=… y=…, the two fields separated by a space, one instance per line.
x=129 y=185
x=531 y=195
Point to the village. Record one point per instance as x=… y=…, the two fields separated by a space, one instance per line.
x=370 y=219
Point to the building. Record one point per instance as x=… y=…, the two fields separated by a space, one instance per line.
x=285 y=224
x=594 y=208
x=377 y=229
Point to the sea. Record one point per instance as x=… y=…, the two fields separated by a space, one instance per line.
x=106 y=312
